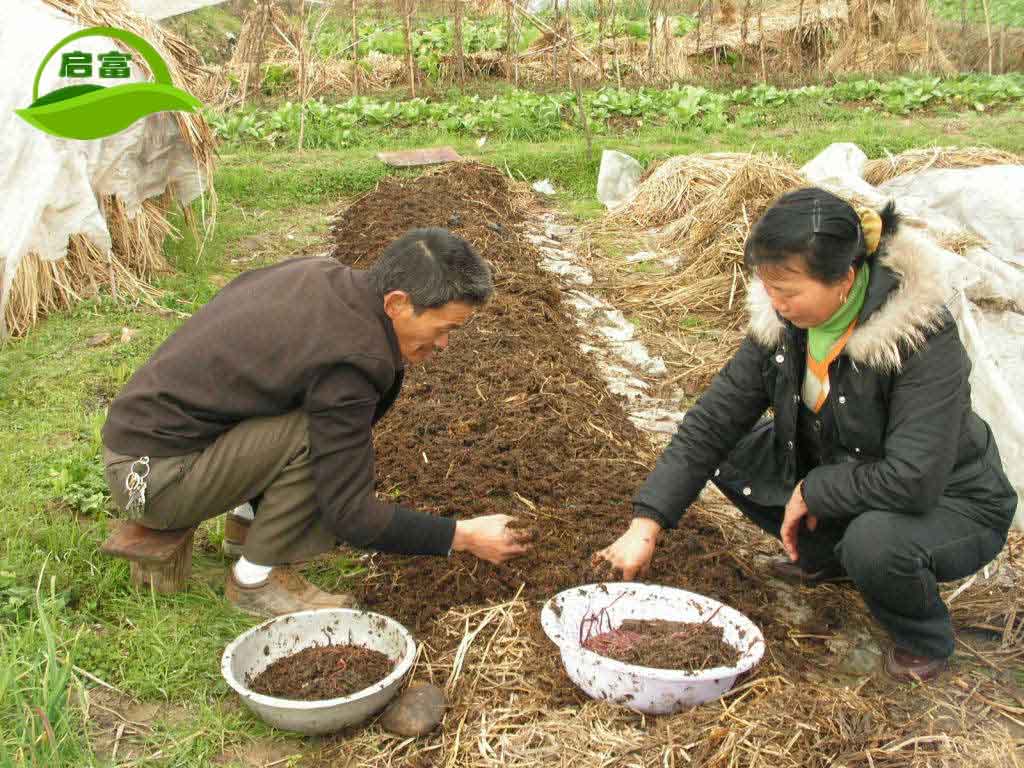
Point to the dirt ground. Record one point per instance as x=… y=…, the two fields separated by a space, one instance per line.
x=513 y=418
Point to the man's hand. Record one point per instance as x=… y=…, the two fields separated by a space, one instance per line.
x=796 y=510
x=632 y=551
x=490 y=538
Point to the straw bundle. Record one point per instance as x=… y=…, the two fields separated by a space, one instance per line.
x=699 y=208
x=333 y=76
x=777 y=25
x=883 y=169
x=974 y=49
x=910 y=53
x=898 y=36
x=625 y=60
x=40 y=287
x=270 y=38
x=250 y=50
x=478 y=64
x=851 y=36
x=557 y=36
x=676 y=186
x=215 y=89
x=712 y=233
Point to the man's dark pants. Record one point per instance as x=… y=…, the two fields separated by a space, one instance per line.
x=267 y=458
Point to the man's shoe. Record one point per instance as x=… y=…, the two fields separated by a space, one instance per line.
x=906 y=667
x=283 y=591
x=236 y=529
x=786 y=570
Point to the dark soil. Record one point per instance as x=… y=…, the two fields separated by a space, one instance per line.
x=322 y=672
x=665 y=645
x=513 y=418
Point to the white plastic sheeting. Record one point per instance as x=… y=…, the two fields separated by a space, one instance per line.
x=163 y=9
x=52 y=187
x=986 y=201
x=617 y=178
x=986 y=285
x=624 y=361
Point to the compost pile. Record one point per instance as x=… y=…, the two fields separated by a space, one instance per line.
x=322 y=672
x=511 y=418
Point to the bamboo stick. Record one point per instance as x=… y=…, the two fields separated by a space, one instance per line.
x=988 y=32
x=355 y=48
x=460 y=62
x=410 y=60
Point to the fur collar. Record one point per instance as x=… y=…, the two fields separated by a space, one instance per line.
x=906 y=303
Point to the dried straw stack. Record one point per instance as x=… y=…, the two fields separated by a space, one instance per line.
x=892 y=36
x=839 y=35
x=269 y=37
x=779 y=25
x=704 y=206
x=40 y=287
x=701 y=208
x=698 y=209
x=975 y=49
x=914 y=160
x=676 y=186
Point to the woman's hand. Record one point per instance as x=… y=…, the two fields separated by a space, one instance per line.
x=796 y=510
x=632 y=551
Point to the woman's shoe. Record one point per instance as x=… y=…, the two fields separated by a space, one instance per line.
x=786 y=570
x=906 y=667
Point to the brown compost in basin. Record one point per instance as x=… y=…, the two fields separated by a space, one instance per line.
x=683 y=646
x=322 y=672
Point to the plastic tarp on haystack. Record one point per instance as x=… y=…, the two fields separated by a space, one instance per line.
x=164 y=9
x=52 y=188
x=985 y=285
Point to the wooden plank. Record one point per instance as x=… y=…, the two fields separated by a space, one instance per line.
x=169 y=576
x=411 y=157
x=136 y=542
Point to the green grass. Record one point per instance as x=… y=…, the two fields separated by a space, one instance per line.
x=53 y=389
x=1001 y=12
x=627 y=9
x=208 y=30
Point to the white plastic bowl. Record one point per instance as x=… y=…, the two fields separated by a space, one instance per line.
x=256 y=649
x=645 y=689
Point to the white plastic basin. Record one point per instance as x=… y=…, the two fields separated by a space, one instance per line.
x=256 y=649
x=645 y=689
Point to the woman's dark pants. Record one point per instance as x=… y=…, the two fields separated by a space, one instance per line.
x=896 y=561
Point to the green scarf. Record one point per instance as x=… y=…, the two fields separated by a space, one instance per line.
x=822 y=338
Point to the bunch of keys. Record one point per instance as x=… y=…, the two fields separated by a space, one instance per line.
x=135 y=484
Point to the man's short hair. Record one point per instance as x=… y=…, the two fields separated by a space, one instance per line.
x=434 y=267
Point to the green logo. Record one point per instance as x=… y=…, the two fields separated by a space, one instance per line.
x=90 y=111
